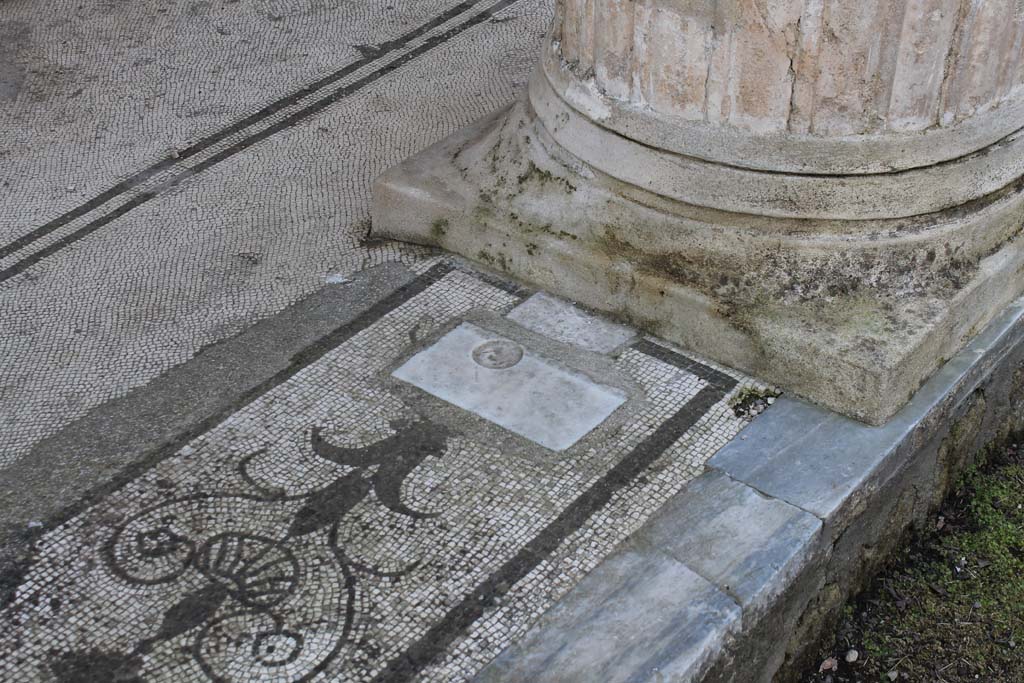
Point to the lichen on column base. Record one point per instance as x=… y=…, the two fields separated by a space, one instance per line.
x=847 y=318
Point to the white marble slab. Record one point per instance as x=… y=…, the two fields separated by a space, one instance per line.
x=560 y=320
x=512 y=386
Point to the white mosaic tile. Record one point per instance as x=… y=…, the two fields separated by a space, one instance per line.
x=335 y=529
x=144 y=220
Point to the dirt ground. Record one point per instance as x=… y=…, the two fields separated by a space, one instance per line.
x=950 y=607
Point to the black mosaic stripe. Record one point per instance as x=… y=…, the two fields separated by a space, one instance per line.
x=440 y=637
x=436 y=641
x=10 y=576
x=667 y=355
x=315 y=107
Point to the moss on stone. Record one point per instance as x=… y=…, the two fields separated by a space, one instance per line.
x=949 y=608
x=439 y=228
x=539 y=175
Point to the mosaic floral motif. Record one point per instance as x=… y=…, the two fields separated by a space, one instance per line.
x=241 y=635
x=340 y=527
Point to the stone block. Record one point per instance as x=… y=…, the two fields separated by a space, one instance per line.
x=640 y=616
x=749 y=545
x=512 y=386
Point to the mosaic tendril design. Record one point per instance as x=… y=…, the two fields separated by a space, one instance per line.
x=244 y=582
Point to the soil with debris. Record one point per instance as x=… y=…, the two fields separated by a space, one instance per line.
x=950 y=607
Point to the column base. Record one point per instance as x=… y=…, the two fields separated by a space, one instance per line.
x=500 y=193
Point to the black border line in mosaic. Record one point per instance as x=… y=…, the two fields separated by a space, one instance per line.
x=10 y=577
x=315 y=107
x=437 y=640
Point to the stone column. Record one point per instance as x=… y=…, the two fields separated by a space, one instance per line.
x=825 y=193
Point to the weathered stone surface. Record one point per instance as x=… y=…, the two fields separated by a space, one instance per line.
x=560 y=320
x=749 y=545
x=789 y=73
x=764 y=183
x=877 y=315
x=511 y=385
x=645 y=616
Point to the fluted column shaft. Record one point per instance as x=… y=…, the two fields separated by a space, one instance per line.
x=818 y=68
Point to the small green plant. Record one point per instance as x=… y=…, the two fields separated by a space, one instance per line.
x=751 y=401
x=439 y=228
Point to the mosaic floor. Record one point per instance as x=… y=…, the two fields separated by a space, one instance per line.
x=172 y=171
x=346 y=525
x=413 y=488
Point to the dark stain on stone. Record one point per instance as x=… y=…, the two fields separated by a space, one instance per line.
x=14 y=38
x=439 y=228
x=537 y=174
x=96 y=666
x=250 y=257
